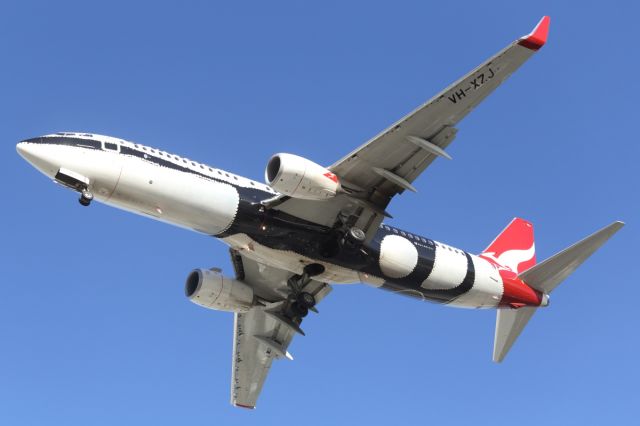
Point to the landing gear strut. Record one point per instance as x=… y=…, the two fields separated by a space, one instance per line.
x=300 y=302
x=85 y=197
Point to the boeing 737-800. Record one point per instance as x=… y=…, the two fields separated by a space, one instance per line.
x=310 y=225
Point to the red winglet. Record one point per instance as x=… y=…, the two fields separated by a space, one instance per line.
x=250 y=407
x=538 y=36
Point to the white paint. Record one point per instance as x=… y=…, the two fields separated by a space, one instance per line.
x=101 y=167
x=183 y=199
x=398 y=256
x=449 y=269
x=487 y=287
x=511 y=259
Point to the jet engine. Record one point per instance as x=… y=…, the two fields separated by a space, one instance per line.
x=210 y=289
x=298 y=177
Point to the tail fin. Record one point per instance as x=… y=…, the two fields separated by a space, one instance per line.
x=544 y=277
x=514 y=248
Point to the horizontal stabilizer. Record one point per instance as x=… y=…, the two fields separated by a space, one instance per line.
x=509 y=325
x=547 y=275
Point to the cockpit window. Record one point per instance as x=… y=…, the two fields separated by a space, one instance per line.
x=111 y=146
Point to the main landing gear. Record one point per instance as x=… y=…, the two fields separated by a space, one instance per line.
x=300 y=302
x=86 y=197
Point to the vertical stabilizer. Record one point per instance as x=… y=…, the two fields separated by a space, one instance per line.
x=514 y=248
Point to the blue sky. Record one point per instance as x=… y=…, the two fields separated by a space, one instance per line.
x=94 y=325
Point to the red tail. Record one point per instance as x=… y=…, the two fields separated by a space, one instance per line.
x=514 y=249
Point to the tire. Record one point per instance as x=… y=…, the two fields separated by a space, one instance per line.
x=357 y=234
x=87 y=195
x=306 y=299
x=298 y=310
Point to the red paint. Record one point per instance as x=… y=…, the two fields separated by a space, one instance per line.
x=513 y=252
x=517 y=293
x=514 y=248
x=331 y=176
x=538 y=36
x=244 y=406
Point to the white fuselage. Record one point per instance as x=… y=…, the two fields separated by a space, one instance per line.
x=196 y=201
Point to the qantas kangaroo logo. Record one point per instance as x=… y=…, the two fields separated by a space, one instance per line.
x=331 y=176
x=511 y=259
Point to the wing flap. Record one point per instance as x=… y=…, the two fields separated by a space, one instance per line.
x=252 y=358
x=260 y=336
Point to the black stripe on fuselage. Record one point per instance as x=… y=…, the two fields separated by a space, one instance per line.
x=413 y=287
x=67 y=141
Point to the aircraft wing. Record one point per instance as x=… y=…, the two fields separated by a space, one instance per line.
x=261 y=335
x=388 y=164
x=392 y=160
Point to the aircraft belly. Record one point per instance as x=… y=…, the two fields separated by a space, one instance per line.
x=289 y=260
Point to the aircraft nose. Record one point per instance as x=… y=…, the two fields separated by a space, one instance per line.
x=26 y=151
x=35 y=155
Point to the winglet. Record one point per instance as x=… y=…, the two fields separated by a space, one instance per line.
x=538 y=36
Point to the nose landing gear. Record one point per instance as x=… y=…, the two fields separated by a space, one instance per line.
x=86 y=197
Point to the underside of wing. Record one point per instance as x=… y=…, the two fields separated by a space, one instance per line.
x=390 y=162
x=264 y=332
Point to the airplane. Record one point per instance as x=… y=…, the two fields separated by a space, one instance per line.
x=311 y=226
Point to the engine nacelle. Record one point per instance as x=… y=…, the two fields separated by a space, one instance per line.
x=298 y=177
x=209 y=288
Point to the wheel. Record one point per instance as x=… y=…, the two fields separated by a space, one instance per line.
x=357 y=234
x=296 y=310
x=353 y=239
x=87 y=194
x=306 y=299
x=85 y=197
